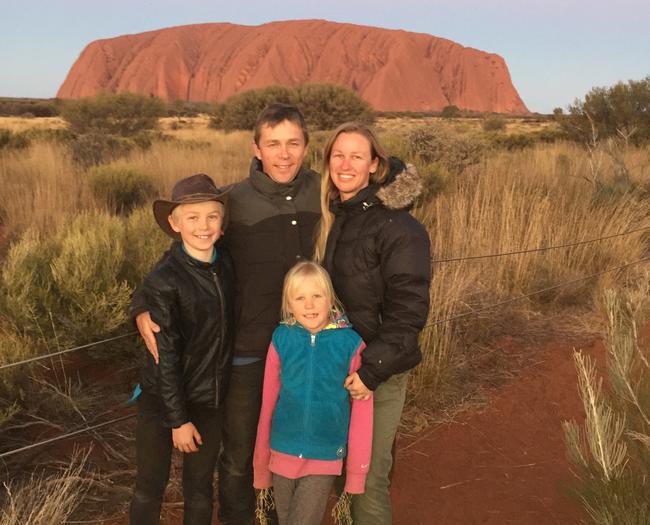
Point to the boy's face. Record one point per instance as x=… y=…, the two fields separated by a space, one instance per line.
x=282 y=150
x=309 y=304
x=200 y=226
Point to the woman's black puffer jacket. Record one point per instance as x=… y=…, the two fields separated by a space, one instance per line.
x=379 y=259
x=192 y=303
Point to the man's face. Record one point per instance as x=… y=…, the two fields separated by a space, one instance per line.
x=282 y=150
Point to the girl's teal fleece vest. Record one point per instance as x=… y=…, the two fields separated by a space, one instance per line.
x=312 y=414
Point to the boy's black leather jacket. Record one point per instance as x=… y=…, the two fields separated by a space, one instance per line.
x=192 y=303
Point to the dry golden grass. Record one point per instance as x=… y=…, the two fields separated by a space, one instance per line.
x=458 y=126
x=511 y=201
x=17 y=124
x=517 y=201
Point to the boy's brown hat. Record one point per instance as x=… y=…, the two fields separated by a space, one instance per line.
x=195 y=188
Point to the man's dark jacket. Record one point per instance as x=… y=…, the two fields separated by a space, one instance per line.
x=192 y=302
x=271 y=226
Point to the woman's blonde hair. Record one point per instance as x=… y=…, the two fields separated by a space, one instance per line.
x=295 y=276
x=328 y=191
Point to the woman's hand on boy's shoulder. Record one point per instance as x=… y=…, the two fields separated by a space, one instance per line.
x=186 y=438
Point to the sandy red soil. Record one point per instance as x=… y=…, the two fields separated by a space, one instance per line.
x=503 y=464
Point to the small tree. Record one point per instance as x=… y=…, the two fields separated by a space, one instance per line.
x=450 y=112
x=621 y=111
x=124 y=114
x=240 y=111
x=325 y=106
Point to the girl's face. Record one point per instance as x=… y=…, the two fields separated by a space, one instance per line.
x=351 y=163
x=309 y=304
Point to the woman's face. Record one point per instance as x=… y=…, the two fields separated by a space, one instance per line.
x=351 y=164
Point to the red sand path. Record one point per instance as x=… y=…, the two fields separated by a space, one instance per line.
x=504 y=464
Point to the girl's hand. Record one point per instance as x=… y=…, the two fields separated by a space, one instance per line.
x=356 y=387
x=186 y=438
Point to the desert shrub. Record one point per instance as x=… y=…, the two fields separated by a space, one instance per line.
x=450 y=112
x=621 y=110
x=144 y=244
x=240 y=111
x=71 y=282
x=612 y=450
x=124 y=114
x=324 y=106
x=11 y=140
x=92 y=149
x=511 y=142
x=13 y=347
x=121 y=188
x=45 y=499
x=494 y=123
x=454 y=153
x=25 y=107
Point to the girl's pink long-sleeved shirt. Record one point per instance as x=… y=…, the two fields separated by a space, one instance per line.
x=267 y=461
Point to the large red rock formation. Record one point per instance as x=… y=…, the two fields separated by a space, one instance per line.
x=393 y=70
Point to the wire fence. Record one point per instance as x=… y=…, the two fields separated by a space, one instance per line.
x=539 y=249
x=429 y=325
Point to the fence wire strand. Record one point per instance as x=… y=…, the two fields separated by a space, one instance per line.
x=540 y=249
x=66 y=351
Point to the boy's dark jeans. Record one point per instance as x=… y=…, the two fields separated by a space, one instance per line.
x=241 y=414
x=154 y=449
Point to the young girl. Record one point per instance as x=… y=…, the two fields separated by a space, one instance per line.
x=308 y=423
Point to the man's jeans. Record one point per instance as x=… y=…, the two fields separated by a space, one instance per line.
x=154 y=451
x=241 y=414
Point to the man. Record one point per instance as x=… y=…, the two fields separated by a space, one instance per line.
x=273 y=214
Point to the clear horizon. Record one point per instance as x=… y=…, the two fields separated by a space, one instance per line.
x=555 y=52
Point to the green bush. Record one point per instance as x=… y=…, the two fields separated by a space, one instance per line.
x=121 y=188
x=28 y=107
x=70 y=283
x=622 y=110
x=324 y=106
x=98 y=148
x=240 y=111
x=450 y=112
x=124 y=114
x=436 y=145
x=11 y=140
x=494 y=123
x=144 y=244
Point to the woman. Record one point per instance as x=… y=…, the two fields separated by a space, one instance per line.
x=378 y=257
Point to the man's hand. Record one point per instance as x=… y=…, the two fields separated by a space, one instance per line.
x=356 y=387
x=186 y=438
x=147 y=328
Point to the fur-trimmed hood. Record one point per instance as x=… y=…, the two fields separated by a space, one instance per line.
x=403 y=186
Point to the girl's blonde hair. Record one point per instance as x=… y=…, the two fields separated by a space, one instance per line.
x=328 y=191
x=296 y=275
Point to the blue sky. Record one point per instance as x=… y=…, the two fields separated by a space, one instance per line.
x=556 y=50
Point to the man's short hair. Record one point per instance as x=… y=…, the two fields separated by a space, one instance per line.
x=278 y=112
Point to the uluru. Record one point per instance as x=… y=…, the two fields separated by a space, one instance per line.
x=393 y=70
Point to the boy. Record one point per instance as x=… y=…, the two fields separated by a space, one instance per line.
x=189 y=295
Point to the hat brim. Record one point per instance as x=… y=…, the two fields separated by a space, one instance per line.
x=162 y=209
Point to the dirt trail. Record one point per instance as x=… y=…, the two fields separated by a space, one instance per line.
x=504 y=464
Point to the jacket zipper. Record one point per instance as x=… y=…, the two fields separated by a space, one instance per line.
x=215 y=279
